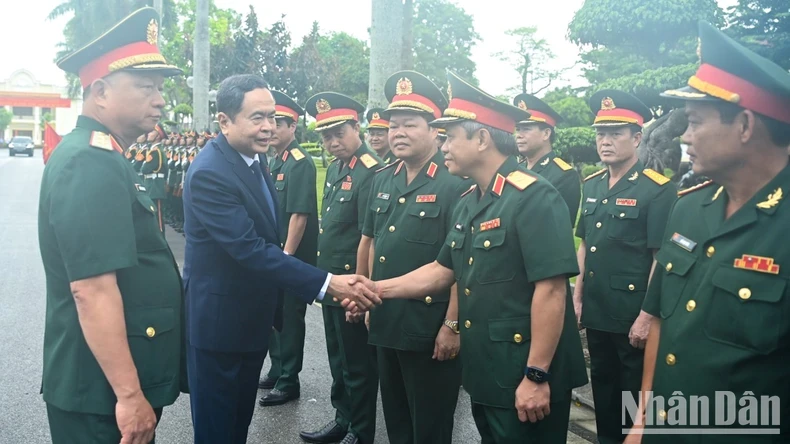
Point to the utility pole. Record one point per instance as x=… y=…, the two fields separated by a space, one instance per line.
x=201 y=64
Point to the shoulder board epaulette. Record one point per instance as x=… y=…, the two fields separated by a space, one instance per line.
x=297 y=154
x=368 y=161
x=695 y=188
x=101 y=140
x=655 y=176
x=597 y=173
x=564 y=166
x=472 y=188
x=388 y=166
x=520 y=180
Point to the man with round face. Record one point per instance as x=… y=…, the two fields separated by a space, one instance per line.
x=113 y=331
x=411 y=204
x=534 y=138
x=377 y=130
x=624 y=212
x=720 y=291
x=349 y=178
x=510 y=251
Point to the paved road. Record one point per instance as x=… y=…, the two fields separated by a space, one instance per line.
x=22 y=304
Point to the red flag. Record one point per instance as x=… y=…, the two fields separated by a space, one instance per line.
x=51 y=140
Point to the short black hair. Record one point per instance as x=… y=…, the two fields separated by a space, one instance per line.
x=779 y=132
x=504 y=141
x=288 y=121
x=544 y=126
x=230 y=94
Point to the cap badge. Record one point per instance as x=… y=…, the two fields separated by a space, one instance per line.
x=404 y=87
x=152 y=35
x=607 y=103
x=322 y=106
x=376 y=116
x=522 y=105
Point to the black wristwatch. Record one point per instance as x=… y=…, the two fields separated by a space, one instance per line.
x=537 y=375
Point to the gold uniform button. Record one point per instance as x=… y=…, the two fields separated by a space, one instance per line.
x=382 y=259
x=378 y=210
x=592 y=273
x=605 y=201
x=593 y=249
x=468 y=324
x=598 y=225
x=487 y=243
x=471 y=259
x=467 y=291
x=671 y=359
x=669 y=266
x=150 y=332
x=428 y=299
x=744 y=293
x=348 y=267
x=662 y=414
x=152 y=208
x=328 y=208
x=473 y=229
x=691 y=305
x=318 y=253
x=422 y=213
x=517 y=338
x=453 y=244
x=321 y=231
x=392 y=228
x=402 y=200
x=342 y=199
x=711 y=251
x=631 y=287
x=622 y=215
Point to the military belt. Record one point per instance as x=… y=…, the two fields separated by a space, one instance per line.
x=154 y=176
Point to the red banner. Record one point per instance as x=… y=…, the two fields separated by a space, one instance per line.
x=51 y=140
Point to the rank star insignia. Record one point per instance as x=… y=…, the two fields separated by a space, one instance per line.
x=322 y=106
x=404 y=87
x=522 y=105
x=607 y=103
x=152 y=33
x=757 y=263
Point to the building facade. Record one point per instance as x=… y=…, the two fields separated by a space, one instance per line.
x=33 y=103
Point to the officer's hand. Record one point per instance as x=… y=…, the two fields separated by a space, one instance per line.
x=136 y=419
x=354 y=318
x=355 y=292
x=639 y=330
x=577 y=308
x=532 y=400
x=447 y=344
x=367 y=320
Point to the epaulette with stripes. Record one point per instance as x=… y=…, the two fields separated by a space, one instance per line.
x=695 y=188
x=655 y=176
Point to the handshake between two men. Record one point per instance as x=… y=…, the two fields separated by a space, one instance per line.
x=356 y=293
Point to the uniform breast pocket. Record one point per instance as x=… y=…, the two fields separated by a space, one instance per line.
x=749 y=310
x=490 y=262
x=455 y=241
x=343 y=207
x=146 y=225
x=279 y=185
x=154 y=344
x=624 y=224
x=588 y=212
x=676 y=264
x=381 y=209
x=509 y=340
x=423 y=224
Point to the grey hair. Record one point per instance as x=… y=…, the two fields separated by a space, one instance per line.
x=504 y=141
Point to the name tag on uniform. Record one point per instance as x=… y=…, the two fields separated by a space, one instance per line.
x=683 y=242
x=139 y=187
x=281 y=176
x=490 y=224
x=346 y=186
x=591 y=200
x=625 y=202
x=384 y=196
x=426 y=198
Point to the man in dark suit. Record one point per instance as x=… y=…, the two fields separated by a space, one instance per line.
x=235 y=271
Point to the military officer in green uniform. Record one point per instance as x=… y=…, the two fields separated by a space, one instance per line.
x=624 y=212
x=113 y=338
x=348 y=181
x=377 y=135
x=534 y=138
x=510 y=250
x=720 y=291
x=153 y=170
x=411 y=205
x=294 y=175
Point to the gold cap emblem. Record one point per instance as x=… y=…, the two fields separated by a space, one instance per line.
x=404 y=87
x=522 y=105
x=322 y=106
x=376 y=116
x=152 y=34
x=607 y=103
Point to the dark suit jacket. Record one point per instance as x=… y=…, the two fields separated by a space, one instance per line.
x=235 y=271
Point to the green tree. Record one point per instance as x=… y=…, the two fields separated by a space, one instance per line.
x=247 y=57
x=763 y=26
x=443 y=35
x=274 y=54
x=5 y=120
x=529 y=57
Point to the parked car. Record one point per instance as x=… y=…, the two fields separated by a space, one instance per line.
x=19 y=145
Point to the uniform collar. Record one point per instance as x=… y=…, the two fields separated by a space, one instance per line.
x=430 y=169
x=542 y=163
x=497 y=184
x=91 y=124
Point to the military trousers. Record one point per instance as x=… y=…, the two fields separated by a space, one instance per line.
x=84 y=428
x=615 y=367
x=286 y=347
x=502 y=426
x=419 y=395
x=352 y=362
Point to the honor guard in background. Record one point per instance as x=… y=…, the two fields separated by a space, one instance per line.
x=510 y=251
x=139 y=156
x=131 y=152
x=348 y=181
x=624 y=212
x=534 y=138
x=720 y=291
x=441 y=137
x=377 y=135
x=113 y=338
x=294 y=175
x=153 y=170
x=409 y=214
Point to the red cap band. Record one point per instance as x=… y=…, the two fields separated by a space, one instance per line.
x=469 y=110
x=417 y=101
x=619 y=115
x=538 y=116
x=284 y=111
x=119 y=58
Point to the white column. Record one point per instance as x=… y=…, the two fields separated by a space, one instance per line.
x=37 y=125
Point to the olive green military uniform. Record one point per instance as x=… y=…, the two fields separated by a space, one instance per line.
x=621 y=227
x=408 y=224
x=294 y=176
x=352 y=361
x=94 y=218
x=564 y=178
x=500 y=244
